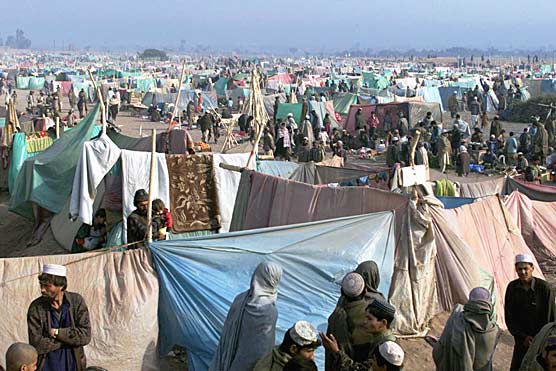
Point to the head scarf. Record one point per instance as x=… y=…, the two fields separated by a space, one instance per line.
x=369 y=271
x=264 y=284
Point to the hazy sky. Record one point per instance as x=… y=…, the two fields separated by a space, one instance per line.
x=325 y=24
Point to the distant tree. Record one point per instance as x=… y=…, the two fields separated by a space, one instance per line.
x=154 y=54
x=1 y=43
x=18 y=41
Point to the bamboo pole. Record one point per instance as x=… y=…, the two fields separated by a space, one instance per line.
x=151 y=190
x=57 y=127
x=182 y=75
x=102 y=107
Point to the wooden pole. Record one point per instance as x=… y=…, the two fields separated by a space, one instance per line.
x=102 y=107
x=151 y=190
x=57 y=127
x=182 y=75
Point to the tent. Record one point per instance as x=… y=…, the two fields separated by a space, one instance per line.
x=414 y=112
x=534 y=191
x=46 y=179
x=537 y=222
x=121 y=292
x=343 y=101
x=200 y=277
x=293 y=108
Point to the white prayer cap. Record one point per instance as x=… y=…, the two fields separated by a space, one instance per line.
x=462 y=149
x=392 y=353
x=395 y=139
x=303 y=333
x=353 y=284
x=455 y=93
x=54 y=269
x=523 y=258
x=290 y=114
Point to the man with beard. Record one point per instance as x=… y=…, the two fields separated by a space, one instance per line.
x=58 y=323
x=137 y=220
x=528 y=306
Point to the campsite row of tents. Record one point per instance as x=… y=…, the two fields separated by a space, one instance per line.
x=178 y=291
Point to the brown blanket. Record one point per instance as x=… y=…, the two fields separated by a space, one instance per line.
x=192 y=193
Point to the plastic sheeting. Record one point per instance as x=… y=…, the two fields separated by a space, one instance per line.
x=47 y=178
x=200 y=277
x=282 y=169
x=453 y=202
x=312 y=173
x=121 y=292
x=431 y=95
x=537 y=222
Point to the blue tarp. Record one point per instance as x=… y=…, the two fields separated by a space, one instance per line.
x=447 y=92
x=431 y=95
x=454 y=202
x=282 y=169
x=200 y=277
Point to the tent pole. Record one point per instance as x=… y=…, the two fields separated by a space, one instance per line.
x=177 y=96
x=57 y=127
x=151 y=190
x=102 y=107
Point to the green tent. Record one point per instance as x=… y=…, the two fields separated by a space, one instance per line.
x=220 y=86
x=374 y=80
x=47 y=179
x=293 y=108
x=342 y=102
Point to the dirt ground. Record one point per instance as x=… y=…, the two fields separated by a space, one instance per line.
x=15 y=231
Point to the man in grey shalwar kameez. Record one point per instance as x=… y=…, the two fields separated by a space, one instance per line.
x=250 y=327
x=469 y=337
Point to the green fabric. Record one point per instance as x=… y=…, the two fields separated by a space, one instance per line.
x=374 y=81
x=47 y=178
x=18 y=157
x=444 y=187
x=2 y=122
x=343 y=102
x=145 y=84
x=131 y=74
x=36 y=83
x=220 y=86
x=23 y=82
x=293 y=108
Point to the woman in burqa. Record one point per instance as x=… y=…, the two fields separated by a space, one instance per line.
x=250 y=327
x=338 y=320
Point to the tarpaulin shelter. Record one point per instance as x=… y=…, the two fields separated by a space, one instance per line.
x=374 y=81
x=431 y=94
x=413 y=111
x=120 y=290
x=200 y=277
x=534 y=191
x=293 y=108
x=265 y=201
x=47 y=178
x=537 y=222
x=343 y=101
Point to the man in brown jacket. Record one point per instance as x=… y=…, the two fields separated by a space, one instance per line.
x=58 y=323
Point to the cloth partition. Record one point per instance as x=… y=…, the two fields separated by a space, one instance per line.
x=200 y=277
x=312 y=173
x=537 y=222
x=120 y=290
x=293 y=108
x=136 y=173
x=36 y=83
x=534 y=191
x=23 y=82
x=494 y=241
x=482 y=189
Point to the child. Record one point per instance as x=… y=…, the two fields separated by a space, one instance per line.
x=162 y=220
x=91 y=237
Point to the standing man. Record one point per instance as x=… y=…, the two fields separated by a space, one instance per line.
x=403 y=125
x=529 y=305
x=453 y=104
x=359 y=120
x=475 y=109
x=444 y=151
x=373 y=124
x=58 y=323
x=511 y=150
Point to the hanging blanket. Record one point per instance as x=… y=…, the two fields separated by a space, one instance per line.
x=192 y=193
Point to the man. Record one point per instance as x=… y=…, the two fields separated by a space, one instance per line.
x=528 y=306
x=427 y=121
x=453 y=104
x=30 y=101
x=268 y=143
x=340 y=151
x=190 y=112
x=317 y=152
x=82 y=103
x=380 y=315
x=444 y=151
x=495 y=127
x=300 y=340
x=304 y=152
x=306 y=131
x=462 y=161
x=393 y=152
x=521 y=163
x=137 y=220
x=276 y=104
x=511 y=150
x=551 y=159
x=205 y=123
x=72 y=99
x=373 y=123
x=359 y=120
x=21 y=357
x=477 y=136
x=540 y=141
x=291 y=122
x=58 y=323
x=475 y=109
x=463 y=127
x=470 y=336
x=403 y=125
